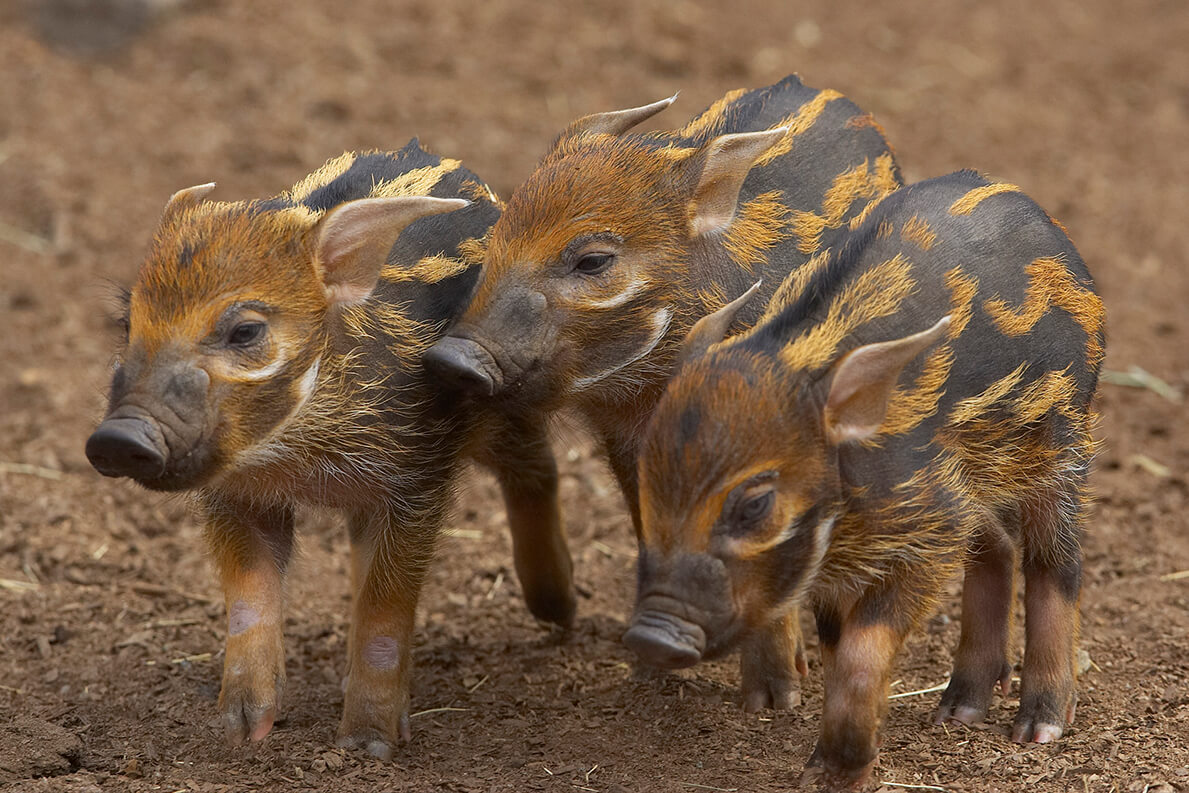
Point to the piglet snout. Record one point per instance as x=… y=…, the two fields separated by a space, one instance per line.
x=126 y=447
x=665 y=640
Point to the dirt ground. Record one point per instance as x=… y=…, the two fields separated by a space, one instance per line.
x=111 y=626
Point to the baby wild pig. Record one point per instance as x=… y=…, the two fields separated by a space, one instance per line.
x=619 y=242
x=273 y=358
x=914 y=402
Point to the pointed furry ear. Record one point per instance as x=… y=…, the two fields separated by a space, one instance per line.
x=190 y=197
x=726 y=162
x=712 y=328
x=863 y=380
x=353 y=240
x=615 y=122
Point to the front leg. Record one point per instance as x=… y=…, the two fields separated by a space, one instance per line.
x=621 y=454
x=770 y=661
x=251 y=547
x=522 y=459
x=858 y=650
x=389 y=560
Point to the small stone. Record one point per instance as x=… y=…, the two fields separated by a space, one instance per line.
x=807 y=33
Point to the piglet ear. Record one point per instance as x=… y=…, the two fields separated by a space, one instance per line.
x=712 y=328
x=863 y=380
x=726 y=162
x=353 y=240
x=615 y=122
x=190 y=197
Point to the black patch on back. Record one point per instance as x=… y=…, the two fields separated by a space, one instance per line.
x=357 y=181
x=756 y=110
x=367 y=171
x=432 y=235
x=444 y=300
x=687 y=425
x=821 y=287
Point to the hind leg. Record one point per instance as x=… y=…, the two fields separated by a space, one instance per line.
x=1047 y=682
x=1052 y=567
x=980 y=661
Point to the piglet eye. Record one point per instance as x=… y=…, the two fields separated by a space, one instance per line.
x=754 y=509
x=246 y=334
x=594 y=263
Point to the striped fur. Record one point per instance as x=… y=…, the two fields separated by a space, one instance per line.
x=333 y=409
x=605 y=344
x=987 y=435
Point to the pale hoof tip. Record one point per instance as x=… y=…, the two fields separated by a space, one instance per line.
x=380 y=750
x=261 y=731
x=1041 y=733
x=1047 y=733
x=966 y=715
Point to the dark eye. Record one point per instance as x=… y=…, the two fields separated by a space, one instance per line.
x=245 y=334
x=593 y=263
x=754 y=509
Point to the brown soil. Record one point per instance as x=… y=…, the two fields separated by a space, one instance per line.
x=110 y=625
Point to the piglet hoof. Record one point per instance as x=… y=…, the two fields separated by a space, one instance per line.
x=771 y=663
x=821 y=774
x=959 y=714
x=823 y=779
x=968 y=695
x=778 y=692
x=1036 y=732
x=374 y=741
x=553 y=610
x=373 y=745
x=246 y=720
x=1040 y=719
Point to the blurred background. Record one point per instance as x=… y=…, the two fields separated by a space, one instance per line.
x=110 y=626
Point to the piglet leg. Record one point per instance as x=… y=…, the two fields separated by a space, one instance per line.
x=980 y=663
x=1047 y=680
x=250 y=548
x=770 y=662
x=858 y=650
x=389 y=560
x=527 y=473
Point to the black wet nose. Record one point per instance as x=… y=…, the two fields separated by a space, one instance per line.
x=463 y=363
x=664 y=641
x=125 y=447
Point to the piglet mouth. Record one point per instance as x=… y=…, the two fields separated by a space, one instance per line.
x=665 y=640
